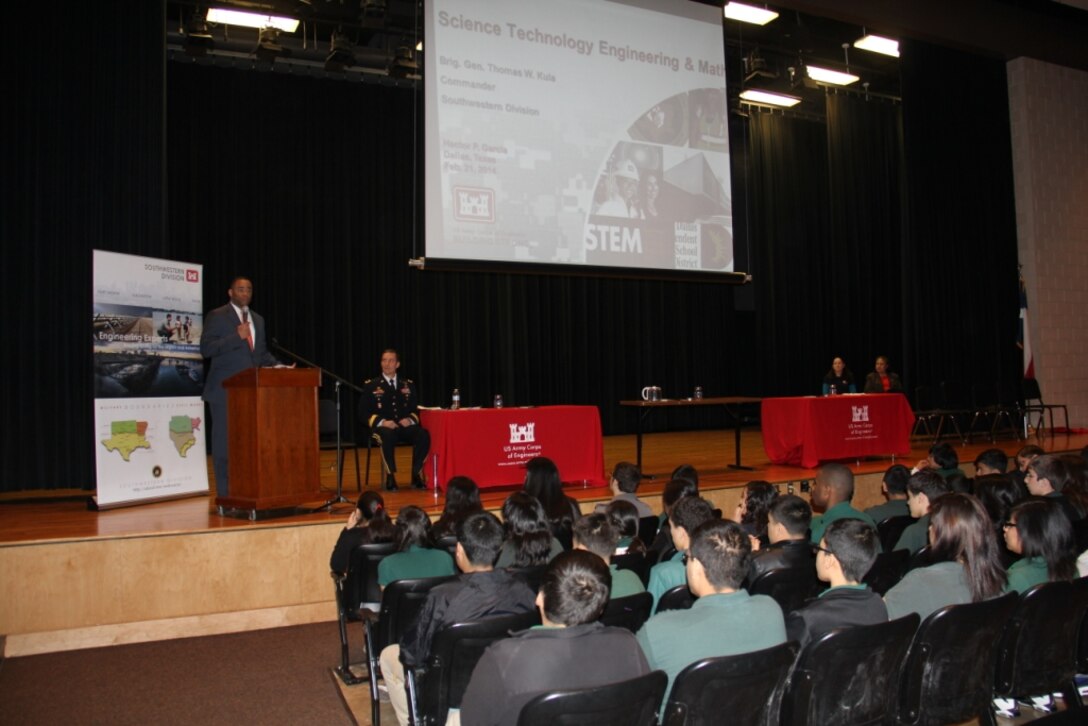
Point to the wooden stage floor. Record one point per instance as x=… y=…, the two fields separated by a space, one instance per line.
x=57 y=515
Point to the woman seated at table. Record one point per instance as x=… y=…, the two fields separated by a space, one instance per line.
x=968 y=567
x=368 y=523
x=414 y=557
x=839 y=378
x=462 y=499
x=529 y=541
x=1039 y=531
x=882 y=380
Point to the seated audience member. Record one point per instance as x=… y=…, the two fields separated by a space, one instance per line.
x=967 y=567
x=1076 y=484
x=787 y=530
x=832 y=492
x=480 y=591
x=367 y=523
x=959 y=482
x=624 y=483
x=624 y=518
x=662 y=549
x=991 y=461
x=414 y=556
x=882 y=380
x=570 y=650
x=594 y=533
x=1039 y=532
x=529 y=541
x=846 y=553
x=923 y=489
x=687 y=515
x=462 y=498
x=840 y=377
x=751 y=511
x=1024 y=457
x=725 y=619
x=942 y=459
x=542 y=481
x=999 y=493
x=1047 y=476
x=894 y=488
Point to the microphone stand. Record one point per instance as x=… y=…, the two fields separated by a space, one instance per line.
x=337 y=383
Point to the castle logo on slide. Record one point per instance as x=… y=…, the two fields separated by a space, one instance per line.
x=471 y=204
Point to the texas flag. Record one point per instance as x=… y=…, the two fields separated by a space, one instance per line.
x=1024 y=338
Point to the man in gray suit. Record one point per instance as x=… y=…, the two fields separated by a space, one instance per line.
x=233 y=340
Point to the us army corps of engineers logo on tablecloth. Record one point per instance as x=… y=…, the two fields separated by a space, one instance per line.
x=522 y=446
x=860 y=428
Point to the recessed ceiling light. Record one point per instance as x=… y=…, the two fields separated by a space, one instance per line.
x=749 y=13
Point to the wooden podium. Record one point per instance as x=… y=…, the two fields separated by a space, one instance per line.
x=272 y=438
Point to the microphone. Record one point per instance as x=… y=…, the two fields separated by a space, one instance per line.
x=245 y=313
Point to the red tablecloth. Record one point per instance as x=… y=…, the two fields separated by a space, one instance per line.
x=492 y=445
x=807 y=430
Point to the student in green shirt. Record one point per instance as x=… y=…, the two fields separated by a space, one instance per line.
x=1039 y=531
x=595 y=533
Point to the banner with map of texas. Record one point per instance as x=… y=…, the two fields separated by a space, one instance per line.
x=148 y=371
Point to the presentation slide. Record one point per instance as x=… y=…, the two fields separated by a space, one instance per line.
x=578 y=132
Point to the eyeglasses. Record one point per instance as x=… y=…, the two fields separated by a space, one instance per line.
x=826 y=551
x=1008 y=525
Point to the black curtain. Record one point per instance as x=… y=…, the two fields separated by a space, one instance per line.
x=80 y=168
x=960 y=290
x=306 y=185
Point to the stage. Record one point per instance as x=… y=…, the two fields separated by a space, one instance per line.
x=73 y=578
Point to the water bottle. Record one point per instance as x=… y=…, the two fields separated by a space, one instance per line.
x=455 y=402
x=832 y=391
x=498 y=400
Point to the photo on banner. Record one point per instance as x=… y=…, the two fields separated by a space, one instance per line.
x=148 y=376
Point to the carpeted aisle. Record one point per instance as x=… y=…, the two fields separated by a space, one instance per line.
x=279 y=676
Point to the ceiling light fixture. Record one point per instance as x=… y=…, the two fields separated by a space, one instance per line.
x=767 y=98
x=827 y=75
x=878 y=44
x=749 y=13
x=251 y=20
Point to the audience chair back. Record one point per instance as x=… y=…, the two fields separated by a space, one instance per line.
x=531 y=576
x=455 y=650
x=789 y=586
x=647 y=529
x=448 y=543
x=848 y=676
x=401 y=602
x=628 y=612
x=891 y=528
x=677 y=598
x=351 y=591
x=625 y=703
x=636 y=562
x=921 y=558
x=1038 y=649
x=748 y=687
x=948 y=673
x=887 y=570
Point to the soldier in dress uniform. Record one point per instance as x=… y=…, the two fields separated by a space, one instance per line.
x=390 y=407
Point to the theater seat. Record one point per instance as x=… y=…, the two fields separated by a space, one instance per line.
x=355 y=590
x=625 y=703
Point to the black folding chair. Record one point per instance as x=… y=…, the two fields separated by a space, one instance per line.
x=439 y=686
x=628 y=612
x=625 y=703
x=748 y=687
x=677 y=598
x=948 y=673
x=848 y=676
x=355 y=589
x=401 y=602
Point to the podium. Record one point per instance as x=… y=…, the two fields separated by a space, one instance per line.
x=272 y=438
